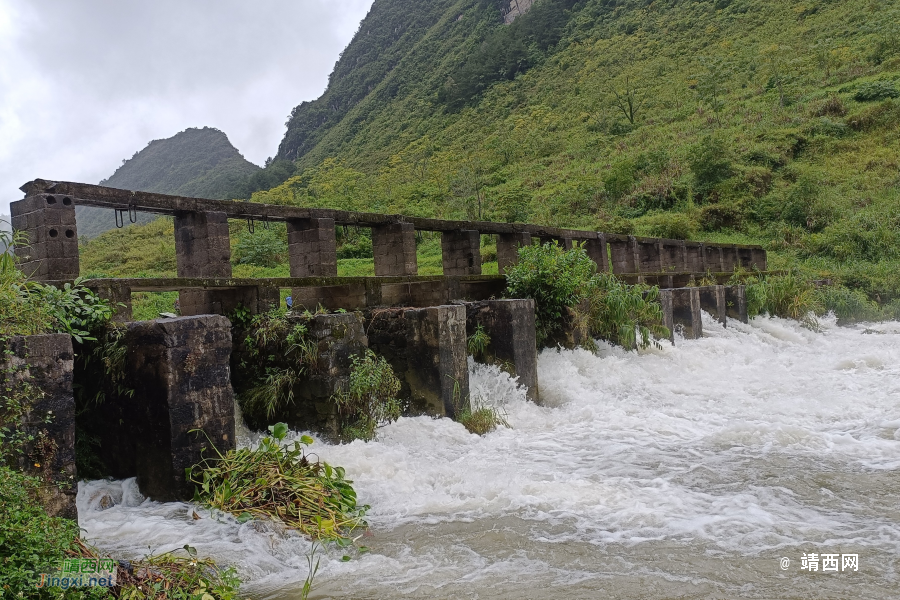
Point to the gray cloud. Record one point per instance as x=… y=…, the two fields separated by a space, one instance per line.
x=86 y=84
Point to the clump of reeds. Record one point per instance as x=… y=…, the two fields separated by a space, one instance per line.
x=278 y=481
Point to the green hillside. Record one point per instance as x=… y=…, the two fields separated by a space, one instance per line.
x=196 y=162
x=750 y=121
x=745 y=120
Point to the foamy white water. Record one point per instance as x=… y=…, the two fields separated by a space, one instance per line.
x=686 y=472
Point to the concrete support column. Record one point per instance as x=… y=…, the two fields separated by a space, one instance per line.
x=181 y=376
x=44 y=364
x=730 y=258
x=508 y=245
x=672 y=256
x=736 y=303
x=202 y=249
x=461 y=252
x=649 y=256
x=712 y=300
x=693 y=261
x=312 y=248
x=622 y=255
x=597 y=251
x=681 y=309
x=48 y=221
x=438 y=373
x=712 y=260
x=511 y=327
x=759 y=259
x=394 y=248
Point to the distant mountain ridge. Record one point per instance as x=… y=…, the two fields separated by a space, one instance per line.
x=200 y=163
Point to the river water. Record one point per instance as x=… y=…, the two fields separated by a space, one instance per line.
x=695 y=471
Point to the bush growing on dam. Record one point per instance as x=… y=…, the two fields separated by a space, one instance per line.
x=569 y=293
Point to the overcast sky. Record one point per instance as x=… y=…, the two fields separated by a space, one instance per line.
x=85 y=84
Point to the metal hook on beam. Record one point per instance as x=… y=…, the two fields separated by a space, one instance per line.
x=251 y=226
x=132 y=213
x=120 y=217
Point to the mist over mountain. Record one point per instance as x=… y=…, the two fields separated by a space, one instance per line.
x=200 y=163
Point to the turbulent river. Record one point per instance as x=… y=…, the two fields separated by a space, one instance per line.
x=706 y=470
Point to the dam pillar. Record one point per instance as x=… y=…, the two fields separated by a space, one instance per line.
x=438 y=374
x=461 y=252
x=712 y=259
x=730 y=258
x=681 y=311
x=693 y=257
x=759 y=259
x=621 y=250
x=39 y=370
x=712 y=300
x=202 y=249
x=672 y=256
x=394 y=249
x=597 y=251
x=736 y=303
x=312 y=247
x=182 y=382
x=510 y=324
x=649 y=255
x=508 y=245
x=48 y=222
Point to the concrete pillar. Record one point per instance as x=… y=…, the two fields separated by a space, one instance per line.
x=672 y=256
x=730 y=258
x=49 y=223
x=649 y=256
x=394 y=248
x=119 y=297
x=684 y=311
x=597 y=251
x=202 y=249
x=312 y=248
x=511 y=327
x=508 y=245
x=693 y=252
x=712 y=260
x=712 y=300
x=179 y=369
x=438 y=374
x=40 y=366
x=622 y=255
x=461 y=252
x=736 y=303
x=759 y=259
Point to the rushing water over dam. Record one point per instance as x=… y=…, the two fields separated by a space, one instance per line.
x=685 y=472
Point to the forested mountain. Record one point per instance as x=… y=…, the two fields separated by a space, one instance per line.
x=200 y=163
x=746 y=120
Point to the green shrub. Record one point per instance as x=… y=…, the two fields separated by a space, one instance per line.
x=359 y=246
x=371 y=399
x=481 y=420
x=710 y=162
x=876 y=90
x=623 y=314
x=262 y=248
x=723 y=215
x=554 y=278
x=849 y=306
x=673 y=226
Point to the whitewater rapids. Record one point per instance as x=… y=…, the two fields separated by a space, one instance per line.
x=686 y=472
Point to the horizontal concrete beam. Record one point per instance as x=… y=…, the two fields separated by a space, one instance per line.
x=105 y=197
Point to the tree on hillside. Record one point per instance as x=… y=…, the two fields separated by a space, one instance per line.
x=710 y=84
x=628 y=95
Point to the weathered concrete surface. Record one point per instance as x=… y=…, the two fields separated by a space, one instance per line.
x=597 y=250
x=180 y=372
x=41 y=367
x=394 y=250
x=119 y=297
x=202 y=245
x=461 y=252
x=736 y=303
x=48 y=221
x=508 y=245
x=681 y=310
x=312 y=248
x=712 y=300
x=511 y=327
x=427 y=349
x=338 y=339
x=256 y=299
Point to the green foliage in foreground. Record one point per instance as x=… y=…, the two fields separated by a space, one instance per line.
x=569 y=292
x=278 y=480
x=371 y=399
